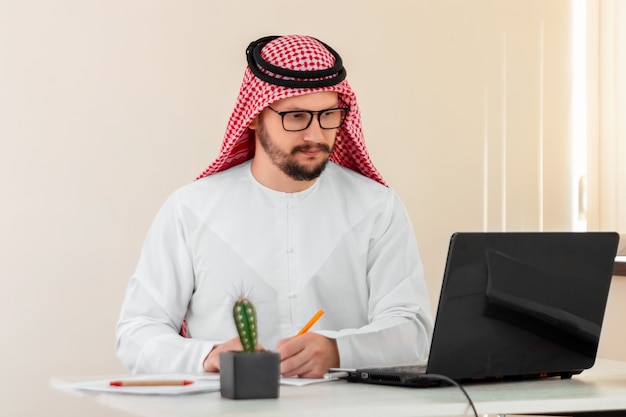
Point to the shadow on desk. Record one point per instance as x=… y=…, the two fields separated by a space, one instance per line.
x=594 y=414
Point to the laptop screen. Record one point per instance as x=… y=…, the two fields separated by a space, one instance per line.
x=522 y=304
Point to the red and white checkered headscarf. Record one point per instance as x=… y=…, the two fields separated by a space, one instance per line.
x=287 y=66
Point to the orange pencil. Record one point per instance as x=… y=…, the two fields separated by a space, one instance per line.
x=311 y=322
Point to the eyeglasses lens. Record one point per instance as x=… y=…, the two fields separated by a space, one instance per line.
x=300 y=120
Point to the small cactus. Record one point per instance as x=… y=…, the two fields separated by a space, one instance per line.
x=244 y=314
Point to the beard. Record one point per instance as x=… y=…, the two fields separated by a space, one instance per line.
x=287 y=162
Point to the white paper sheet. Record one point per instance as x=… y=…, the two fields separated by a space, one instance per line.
x=298 y=382
x=201 y=383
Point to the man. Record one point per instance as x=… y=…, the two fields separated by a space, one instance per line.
x=293 y=214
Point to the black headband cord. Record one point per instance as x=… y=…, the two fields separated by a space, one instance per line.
x=295 y=79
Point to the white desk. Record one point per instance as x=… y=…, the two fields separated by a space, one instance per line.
x=601 y=389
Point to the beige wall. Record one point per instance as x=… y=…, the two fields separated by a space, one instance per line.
x=607 y=164
x=107 y=106
x=607 y=129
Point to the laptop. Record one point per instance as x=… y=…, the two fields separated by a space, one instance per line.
x=513 y=305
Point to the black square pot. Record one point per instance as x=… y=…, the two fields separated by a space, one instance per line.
x=245 y=375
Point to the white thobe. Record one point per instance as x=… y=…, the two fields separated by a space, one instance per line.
x=344 y=245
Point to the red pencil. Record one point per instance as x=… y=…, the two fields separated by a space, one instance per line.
x=149 y=382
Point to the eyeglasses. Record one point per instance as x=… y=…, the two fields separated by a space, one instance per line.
x=297 y=120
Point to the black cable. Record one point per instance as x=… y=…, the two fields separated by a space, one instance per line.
x=456 y=384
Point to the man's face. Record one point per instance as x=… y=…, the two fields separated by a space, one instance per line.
x=301 y=155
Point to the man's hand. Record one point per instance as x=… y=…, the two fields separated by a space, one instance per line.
x=307 y=356
x=212 y=361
